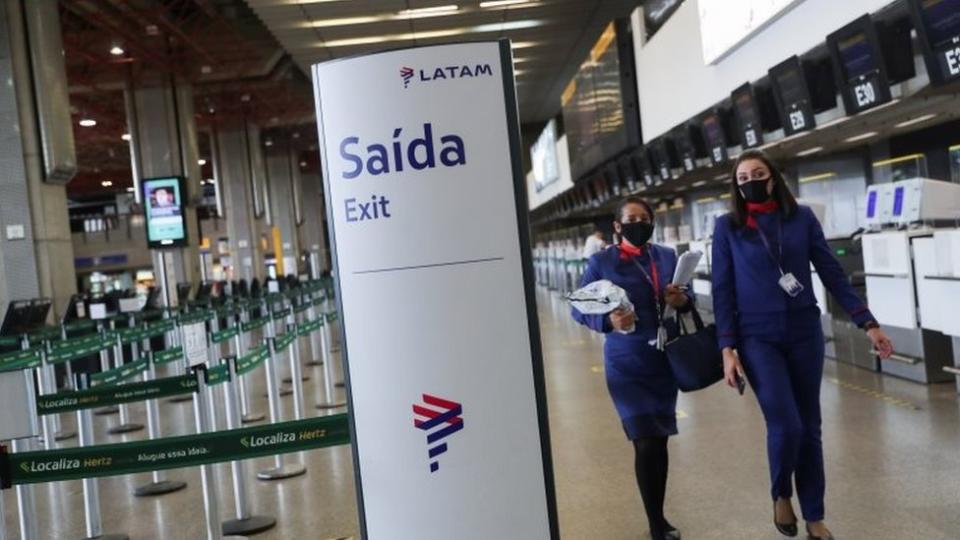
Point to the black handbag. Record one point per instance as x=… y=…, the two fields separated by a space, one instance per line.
x=695 y=358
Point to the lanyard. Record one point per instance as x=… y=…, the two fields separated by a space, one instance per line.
x=653 y=280
x=777 y=260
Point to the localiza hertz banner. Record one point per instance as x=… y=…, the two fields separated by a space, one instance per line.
x=173 y=452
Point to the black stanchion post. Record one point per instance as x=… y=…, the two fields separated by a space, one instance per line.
x=91 y=488
x=159 y=484
x=280 y=470
x=245 y=522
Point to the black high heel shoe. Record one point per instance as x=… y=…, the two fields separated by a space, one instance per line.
x=786 y=529
x=812 y=537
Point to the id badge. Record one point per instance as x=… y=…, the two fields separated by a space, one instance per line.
x=790 y=285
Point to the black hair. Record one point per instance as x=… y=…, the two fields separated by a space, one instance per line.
x=618 y=215
x=781 y=191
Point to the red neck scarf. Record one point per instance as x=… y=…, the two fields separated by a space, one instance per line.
x=753 y=209
x=628 y=250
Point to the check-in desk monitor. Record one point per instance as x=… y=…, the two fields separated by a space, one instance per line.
x=879 y=205
x=922 y=200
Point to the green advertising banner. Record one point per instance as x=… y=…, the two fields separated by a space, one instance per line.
x=173 y=452
x=301 y=308
x=253 y=359
x=254 y=324
x=72 y=349
x=218 y=375
x=122 y=373
x=18 y=360
x=310 y=327
x=167 y=355
x=332 y=316
x=280 y=314
x=224 y=335
x=283 y=341
x=132 y=335
x=160 y=328
x=194 y=317
x=103 y=396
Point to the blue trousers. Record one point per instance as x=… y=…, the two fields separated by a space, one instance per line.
x=785 y=371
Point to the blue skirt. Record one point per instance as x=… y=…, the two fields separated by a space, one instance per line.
x=642 y=387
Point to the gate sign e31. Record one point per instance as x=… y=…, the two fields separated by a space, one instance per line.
x=427 y=207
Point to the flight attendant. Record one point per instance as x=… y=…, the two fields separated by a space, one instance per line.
x=638 y=376
x=768 y=326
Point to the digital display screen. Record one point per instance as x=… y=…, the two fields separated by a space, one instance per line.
x=163 y=207
x=792 y=86
x=713 y=131
x=593 y=108
x=857 y=56
x=543 y=156
x=942 y=21
x=871 y=204
x=746 y=109
x=898 y=201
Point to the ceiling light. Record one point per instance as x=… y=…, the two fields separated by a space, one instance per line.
x=106 y=183
x=916 y=120
x=131 y=189
x=809 y=151
x=125 y=136
x=861 y=136
x=449 y=32
x=523 y=44
x=303 y=163
x=296 y=135
x=201 y=162
x=88 y=122
x=428 y=10
x=268 y=142
x=116 y=50
x=699 y=183
x=206 y=70
x=503 y=3
x=721 y=176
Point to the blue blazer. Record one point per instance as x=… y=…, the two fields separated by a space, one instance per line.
x=747 y=298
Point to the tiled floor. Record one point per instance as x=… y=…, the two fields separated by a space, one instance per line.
x=892 y=450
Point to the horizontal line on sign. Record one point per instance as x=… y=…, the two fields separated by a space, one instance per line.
x=435 y=265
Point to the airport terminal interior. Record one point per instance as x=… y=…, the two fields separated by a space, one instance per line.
x=207 y=334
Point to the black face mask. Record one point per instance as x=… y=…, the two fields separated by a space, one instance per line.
x=755 y=191
x=637 y=233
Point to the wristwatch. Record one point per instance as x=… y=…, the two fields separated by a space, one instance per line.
x=870 y=325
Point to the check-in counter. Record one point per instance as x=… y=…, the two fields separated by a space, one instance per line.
x=897 y=265
x=939 y=292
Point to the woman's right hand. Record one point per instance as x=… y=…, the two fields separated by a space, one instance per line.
x=731 y=367
x=622 y=319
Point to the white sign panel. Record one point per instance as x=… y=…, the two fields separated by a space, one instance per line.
x=724 y=25
x=195 y=343
x=425 y=198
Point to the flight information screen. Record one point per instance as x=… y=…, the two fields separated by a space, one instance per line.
x=163 y=207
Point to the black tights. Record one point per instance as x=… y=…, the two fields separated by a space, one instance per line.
x=651 y=465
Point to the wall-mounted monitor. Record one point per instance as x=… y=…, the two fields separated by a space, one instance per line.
x=793 y=96
x=600 y=104
x=938 y=27
x=164 y=207
x=859 y=66
x=689 y=142
x=715 y=137
x=543 y=157
x=664 y=154
x=629 y=175
x=643 y=165
x=747 y=112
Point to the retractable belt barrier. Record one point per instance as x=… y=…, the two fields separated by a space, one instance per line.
x=172 y=452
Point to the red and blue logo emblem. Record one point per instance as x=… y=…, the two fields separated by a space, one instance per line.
x=440 y=418
x=407 y=74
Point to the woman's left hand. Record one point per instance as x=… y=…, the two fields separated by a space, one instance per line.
x=881 y=343
x=676 y=296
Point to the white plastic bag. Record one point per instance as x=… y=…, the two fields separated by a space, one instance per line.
x=600 y=298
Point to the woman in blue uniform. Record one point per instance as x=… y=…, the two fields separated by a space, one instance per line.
x=767 y=318
x=638 y=376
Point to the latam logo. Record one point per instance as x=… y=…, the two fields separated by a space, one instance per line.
x=409 y=74
x=440 y=421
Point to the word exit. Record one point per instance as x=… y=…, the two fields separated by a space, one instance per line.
x=375 y=208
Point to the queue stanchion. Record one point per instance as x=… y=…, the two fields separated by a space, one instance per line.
x=125 y=425
x=175 y=341
x=245 y=522
x=329 y=397
x=47 y=429
x=26 y=499
x=104 y=367
x=280 y=469
x=242 y=340
x=159 y=485
x=212 y=349
x=60 y=434
x=317 y=356
x=293 y=352
x=211 y=503
x=91 y=487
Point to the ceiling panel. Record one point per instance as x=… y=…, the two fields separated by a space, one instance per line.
x=561 y=31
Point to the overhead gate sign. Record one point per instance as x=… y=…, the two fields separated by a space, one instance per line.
x=427 y=209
